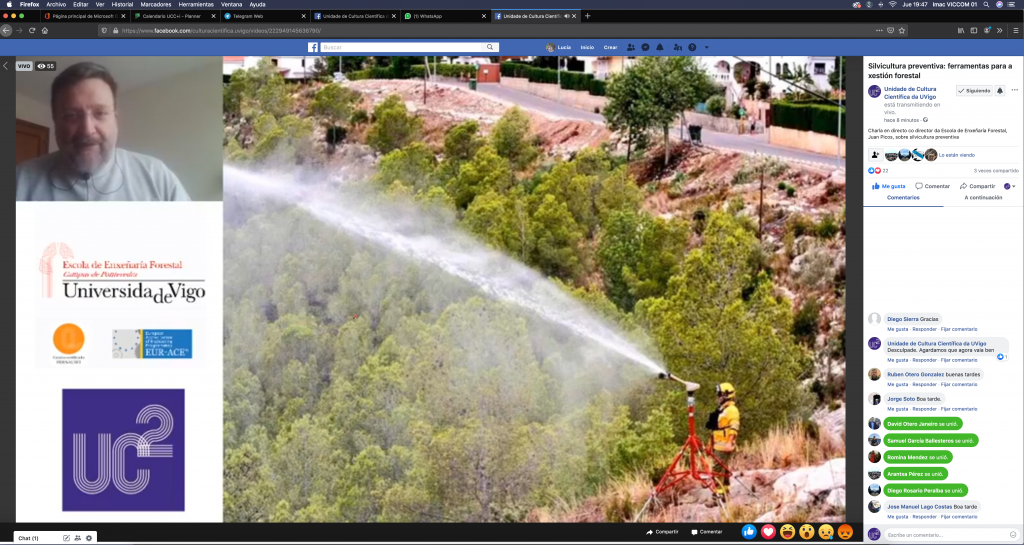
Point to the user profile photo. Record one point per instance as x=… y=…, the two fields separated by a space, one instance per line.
x=874 y=474
x=874 y=456
x=930 y=154
x=891 y=154
x=874 y=423
x=875 y=373
x=874 y=506
x=874 y=318
x=874 y=489
x=874 y=439
x=904 y=154
x=120 y=129
x=874 y=343
x=874 y=398
x=874 y=91
x=550 y=47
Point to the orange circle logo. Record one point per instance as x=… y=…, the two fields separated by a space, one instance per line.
x=68 y=338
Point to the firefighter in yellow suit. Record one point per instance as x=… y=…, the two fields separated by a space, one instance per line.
x=728 y=430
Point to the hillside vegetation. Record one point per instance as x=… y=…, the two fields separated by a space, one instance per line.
x=360 y=386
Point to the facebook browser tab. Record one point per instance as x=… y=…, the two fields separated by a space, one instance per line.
x=532 y=16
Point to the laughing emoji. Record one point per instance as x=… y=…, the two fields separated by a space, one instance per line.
x=807 y=531
x=787 y=531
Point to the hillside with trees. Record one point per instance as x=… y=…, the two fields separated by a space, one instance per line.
x=363 y=386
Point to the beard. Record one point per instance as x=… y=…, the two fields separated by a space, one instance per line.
x=87 y=155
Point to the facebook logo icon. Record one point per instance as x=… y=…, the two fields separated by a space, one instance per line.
x=875 y=186
x=316 y=16
x=497 y=15
x=312 y=47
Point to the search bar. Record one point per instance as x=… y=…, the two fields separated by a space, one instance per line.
x=409 y=47
x=957 y=535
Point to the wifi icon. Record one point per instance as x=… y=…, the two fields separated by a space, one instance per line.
x=892 y=4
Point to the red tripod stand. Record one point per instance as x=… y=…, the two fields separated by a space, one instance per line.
x=694 y=460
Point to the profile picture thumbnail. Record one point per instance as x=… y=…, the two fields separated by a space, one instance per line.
x=874 y=456
x=107 y=128
x=891 y=154
x=550 y=47
x=874 y=439
x=904 y=154
x=875 y=373
x=930 y=154
x=874 y=422
x=875 y=506
x=874 y=398
x=874 y=489
x=874 y=475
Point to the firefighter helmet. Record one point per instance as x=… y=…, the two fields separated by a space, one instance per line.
x=726 y=390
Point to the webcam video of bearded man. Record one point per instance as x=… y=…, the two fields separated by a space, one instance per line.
x=119 y=129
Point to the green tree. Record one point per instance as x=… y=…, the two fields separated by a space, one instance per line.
x=413 y=165
x=628 y=110
x=511 y=139
x=487 y=171
x=833 y=76
x=333 y=104
x=639 y=254
x=462 y=141
x=557 y=238
x=618 y=192
x=720 y=321
x=393 y=127
x=575 y=189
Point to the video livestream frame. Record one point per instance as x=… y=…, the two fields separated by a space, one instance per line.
x=452 y=300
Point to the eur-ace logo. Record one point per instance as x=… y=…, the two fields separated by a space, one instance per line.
x=123 y=450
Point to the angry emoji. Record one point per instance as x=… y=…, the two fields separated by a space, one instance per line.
x=845 y=531
x=788 y=531
x=807 y=531
x=825 y=531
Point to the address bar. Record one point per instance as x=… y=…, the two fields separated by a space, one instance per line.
x=408 y=47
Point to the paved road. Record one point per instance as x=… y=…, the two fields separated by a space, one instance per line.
x=746 y=143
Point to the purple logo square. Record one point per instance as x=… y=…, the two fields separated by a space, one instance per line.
x=123 y=450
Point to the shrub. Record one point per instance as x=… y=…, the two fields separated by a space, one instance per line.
x=827 y=227
x=359 y=117
x=782 y=186
x=393 y=127
x=572 y=81
x=805 y=323
x=444 y=70
x=820 y=118
x=734 y=111
x=790 y=191
x=716 y=105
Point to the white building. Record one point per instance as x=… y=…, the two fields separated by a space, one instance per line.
x=290 y=67
x=721 y=69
